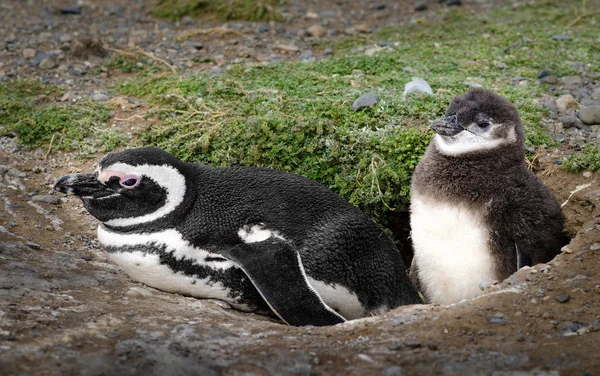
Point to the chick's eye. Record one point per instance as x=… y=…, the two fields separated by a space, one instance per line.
x=484 y=124
x=129 y=181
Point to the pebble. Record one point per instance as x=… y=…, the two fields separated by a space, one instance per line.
x=563 y=298
x=590 y=115
x=498 y=318
x=569 y=121
x=453 y=3
x=543 y=74
x=550 y=80
x=571 y=80
x=412 y=343
x=33 y=245
x=420 y=6
x=417 y=85
x=595 y=93
x=561 y=37
x=316 y=31
x=49 y=199
x=100 y=96
x=394 y=371
x=47 y=63
x=565 y=103
x=286 y=47
x=138 y=292
x=197 y=45
x=595 y=247
x=29 y=53
x=364 y=101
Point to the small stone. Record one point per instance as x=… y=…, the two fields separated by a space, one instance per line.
x=286 y=48
x=563 y=298
x=420 y=6
x=565 y=249
x=311 y=15
x=486 y=283
x=366 y=358
x=565 y=103
x=590 y=115
x=377 y=6
x=55 y=313
x=595 y=247
x=33 y=245
x=362 y=28
x=543 y=74
x=595 y=93
x=49 y=199
x=453 y=3
x=316 y=31
x=498 y=318
x=569 y=121
x=552 y=80
x=587 y=174
x=364 y=101
x=432 y=346
x=571 y=81
x=47 y=63
x=394 y=371
x=100 y=96
x=499 y=64
x=216 y=70
x=561 y=37
x=409 y=70
x=138 y=292
x=29 y=53
x=70 y=10
x=68 y=97
x=412 y=343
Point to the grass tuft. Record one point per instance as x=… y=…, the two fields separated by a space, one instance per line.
x=225 y=10
x=589 y=159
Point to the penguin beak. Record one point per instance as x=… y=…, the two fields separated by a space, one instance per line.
x=79 y=184
x=447 y=126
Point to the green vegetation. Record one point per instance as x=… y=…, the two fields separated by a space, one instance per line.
x=297 y=117
x=589 y=159
x=225 y=10
x=28 y=109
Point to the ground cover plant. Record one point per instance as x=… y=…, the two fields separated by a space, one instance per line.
x=297 y=116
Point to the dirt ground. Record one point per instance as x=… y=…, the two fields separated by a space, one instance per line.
x=66 y=310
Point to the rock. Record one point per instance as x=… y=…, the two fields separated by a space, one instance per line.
x=569 y=121
x=412 y=343
x=409 y=70
x=364 y=101
x=216 y=70
x=286 y=48
x=311 y=15
x=417 y=85
x=68 y=97
x=498 y=318
x=307 y=56
x=394 y=371
x=420 y=6
x=316 y=31
x=595 y=247
x=571 y=81
x=33 y=245
x=587 y=174
x=563 y=298
x=87 y=47
x=362 y=28
x=590 y=115
x=70 y=10
x=561 y=37
x=100 y=96
x=550 y=80
x=565 y=103
x=47 y=63
x=595 y=93
x=499 y=64
x=49 y=199
x=138 y=292
x=450 y=3
x=543 y=74
x=29 y=53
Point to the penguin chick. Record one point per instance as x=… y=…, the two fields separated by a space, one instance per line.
x=257 y=238
x=477 y=212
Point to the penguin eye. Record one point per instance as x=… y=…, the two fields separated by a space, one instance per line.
x=484 y=124
x=130 y=181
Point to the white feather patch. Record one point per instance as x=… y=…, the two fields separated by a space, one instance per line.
x=338 y=298
x=166 y=176
x=170 y=238
x=257 y=233
x=146 y=268
x=467 y=142
x=451 y=250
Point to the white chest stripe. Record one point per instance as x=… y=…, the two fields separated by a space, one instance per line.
x=167 y=177
x=170 y=238
x=451 y=250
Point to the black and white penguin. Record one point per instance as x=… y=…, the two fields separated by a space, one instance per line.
x=256 y=238
x=477 y=212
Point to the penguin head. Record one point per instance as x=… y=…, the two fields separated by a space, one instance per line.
x=478 y=122
x=131 y=187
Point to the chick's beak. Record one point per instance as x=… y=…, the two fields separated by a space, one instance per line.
x=447 y=126
x=79 y=184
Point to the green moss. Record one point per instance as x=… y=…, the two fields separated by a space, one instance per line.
x=589 y=159
x=248 y=10
x=29 y=109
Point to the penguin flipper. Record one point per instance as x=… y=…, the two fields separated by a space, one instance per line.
x=274 y=267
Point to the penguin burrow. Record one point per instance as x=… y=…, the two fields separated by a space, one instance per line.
x=477 y=212
x=259 y=239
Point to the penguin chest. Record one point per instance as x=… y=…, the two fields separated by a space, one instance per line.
x=451 y=248
x=165 y=261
